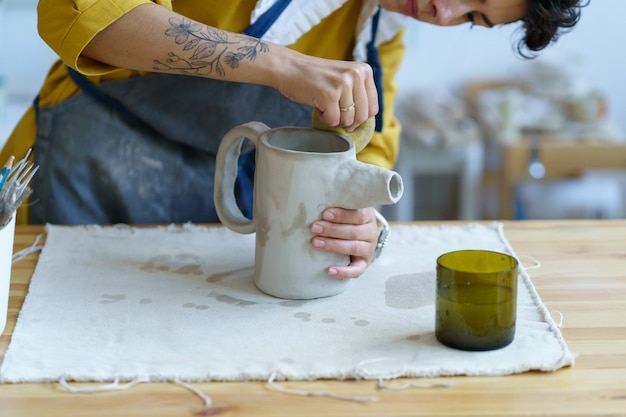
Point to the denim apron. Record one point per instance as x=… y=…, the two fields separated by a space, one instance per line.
x=142 y=150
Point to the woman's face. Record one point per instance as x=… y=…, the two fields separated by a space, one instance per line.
x=455 y=12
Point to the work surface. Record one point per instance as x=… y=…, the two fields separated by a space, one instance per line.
x=582 y=276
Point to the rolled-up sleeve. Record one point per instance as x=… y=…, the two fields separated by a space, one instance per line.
x=67 y=26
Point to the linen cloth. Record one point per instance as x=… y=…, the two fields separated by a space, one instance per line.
x=179 y=303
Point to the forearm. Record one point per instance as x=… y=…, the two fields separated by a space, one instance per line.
x=153 y=38
x=156 y=39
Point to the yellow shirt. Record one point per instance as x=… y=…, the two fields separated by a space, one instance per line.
x=67 y=26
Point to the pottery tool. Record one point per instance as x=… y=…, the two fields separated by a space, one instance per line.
x=361 y=136
x=16 y=189
x=6 y=170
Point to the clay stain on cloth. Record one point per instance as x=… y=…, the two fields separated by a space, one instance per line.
x=407 y=291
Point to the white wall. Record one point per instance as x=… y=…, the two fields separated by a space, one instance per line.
x=25 y=57
x=24 y=61
x=445 y=58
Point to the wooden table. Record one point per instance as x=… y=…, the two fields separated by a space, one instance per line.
x=582 y=275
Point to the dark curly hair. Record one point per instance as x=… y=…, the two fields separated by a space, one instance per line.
x=545 y=22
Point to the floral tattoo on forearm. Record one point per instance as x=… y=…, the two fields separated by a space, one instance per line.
x=209 y=50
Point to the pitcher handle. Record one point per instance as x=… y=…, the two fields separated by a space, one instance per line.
x=228 y=153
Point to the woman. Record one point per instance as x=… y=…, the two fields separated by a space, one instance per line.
x=122 y=135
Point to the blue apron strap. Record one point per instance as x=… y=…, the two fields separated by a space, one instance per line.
x=96 y=93
x=36 y=106
x=246 y=164
x=263 y=23
x=245 y=173
x=374 y=61
x=90 y=89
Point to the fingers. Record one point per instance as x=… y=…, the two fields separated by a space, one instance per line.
x=341 y=216
x=348 y=114
x=354 y=270
x=347 y=232
x=372 y=94
x=367 y=97
x=354 y=100
x=351 y=247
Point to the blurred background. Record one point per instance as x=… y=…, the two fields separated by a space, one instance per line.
x=486 y=134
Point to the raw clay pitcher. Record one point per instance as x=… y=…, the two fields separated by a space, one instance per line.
x=299 y=173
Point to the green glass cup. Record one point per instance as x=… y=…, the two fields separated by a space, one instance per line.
x=476 y=299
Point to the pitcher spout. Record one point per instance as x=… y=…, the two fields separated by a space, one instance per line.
x=370 y=185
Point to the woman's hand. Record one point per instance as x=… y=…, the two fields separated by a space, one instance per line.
x=347 y=232
x=343 y=92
